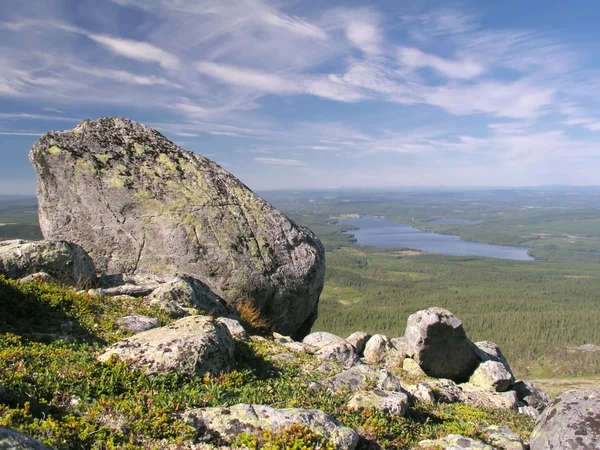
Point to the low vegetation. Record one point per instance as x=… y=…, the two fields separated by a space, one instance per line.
x=56 y=390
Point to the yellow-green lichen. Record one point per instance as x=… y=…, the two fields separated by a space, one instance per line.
x=139 y=149
x=54 y=150
x=103 y=157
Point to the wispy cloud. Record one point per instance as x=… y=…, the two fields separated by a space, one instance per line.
x=280 y=161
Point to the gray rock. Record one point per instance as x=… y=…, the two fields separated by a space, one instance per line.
x=292 y=345
x=12 y=440
x=360 y=377
x=532 y=395
x=38 y=276
x=229 y=422
x=393 y=403
x=436 y=340
x=503 y=437
x=65 y=262
x=137 y=324
x=320 y=339
x=235 y=328
x=183 y=295
x=138 y=203
x=488 y=351
x=446 y=391
x=359 y=340
x=420 y=392
x=492 y=374
x=571 y=422
x=411 y=367
x=195 y=345
x=488 y=398
x=341 y=352
x=453 y=442
x=379 y=350
x=529 y=411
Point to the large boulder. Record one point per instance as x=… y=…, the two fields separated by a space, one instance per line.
x=229 y=422
x=196 y=345
x=64 y=262
x=138 y=203
x=532 y=395
x=436 y=340
x=572 y=422
x=12 y=440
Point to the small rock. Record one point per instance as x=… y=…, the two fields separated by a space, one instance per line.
x=292 y=345
x=492 y=374
x=65 y=262
x=393 y=403
x=453 y=442
x=229 y=422
x=571 y=422
x=38 y=276
x=12 y=440
x=436 y=340
x=342 y=352
x=321 y=339
x=529 y=411
x=235 y=328
x=487 y=398
x=446 y=391
x=359 y=340
x=420 y=392
x=532 y=395
x=503 y=437
x=137 y=324
x=488 y=351
x=376 y=349
x=411 y=367
x=195 y=345
x=360 y=377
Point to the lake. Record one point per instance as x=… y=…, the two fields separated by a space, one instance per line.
x=377 y=232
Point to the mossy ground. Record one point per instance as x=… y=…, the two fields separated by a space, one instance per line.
x=56 y=390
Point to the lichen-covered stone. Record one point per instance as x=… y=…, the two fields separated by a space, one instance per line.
x=65 y=262
x=138 y=203
x=341 y=352
x=452 y=442
x=320 y=339
x=360 y=377
x=503 y=437
x=411 y=367
x=489 y=351
x=234 y=327
x=492 y=374
x=358 y=339
x=532 y=395
x=12 y=440
x=196 y=345
x=436 y=340
x=481 y=397
x=229 y=422
x=571 y=422
x=393 y=403
x=38 y=276
x=137 y=324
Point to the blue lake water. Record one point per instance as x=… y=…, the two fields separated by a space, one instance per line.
x=447 y=221
x=378 y=232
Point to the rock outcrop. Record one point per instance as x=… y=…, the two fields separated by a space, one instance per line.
x=64 y=262
x=436 y=340
x=196 y=345
x=572 y=422
x=229 y=422
x=138 y=203
x=12 y=440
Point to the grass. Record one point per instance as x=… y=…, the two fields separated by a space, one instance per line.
x=56 y=390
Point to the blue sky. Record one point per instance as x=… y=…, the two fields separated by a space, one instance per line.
x=314 y=94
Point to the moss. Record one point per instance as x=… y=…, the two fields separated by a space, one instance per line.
x=54 y=150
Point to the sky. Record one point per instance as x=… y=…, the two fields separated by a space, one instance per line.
x=317 y=94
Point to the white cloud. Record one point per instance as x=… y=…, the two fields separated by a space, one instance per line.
x=280 y=162
x=246 y=77
x=364 y=35
x=461 y=69
x=139 y=51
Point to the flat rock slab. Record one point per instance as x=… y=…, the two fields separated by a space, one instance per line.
x=341 y=352
x=320 y=339
x=393 y=403
x=503 y=437
x=137 y=324
x=138 y=203
x=196 y=345
x=453 y=442
x=436 y=340
x=358 y=378
x=571 y=422
x=229 y=422
x=12 y=440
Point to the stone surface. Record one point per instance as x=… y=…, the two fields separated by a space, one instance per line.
x=532 y=395
x=393 y=403
x=571 y=422
x=236 y=329
x=452 y=442
x=138 y=203
x=38 y=276
x=488 y=398
x=342 y=352
x=183 y=295
x=492 y=374
x=436 y=340
x=411 y=367
x=137 y=324
x=360 y=377
x=379 y=350
x=12 y=440
x=320 y=339
x=503 y=437
x=420 y=392
x=488 y=351
x=195 y=345
x=229 y=422
x=359 y=340
x=529 y=411
x=65 y=262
